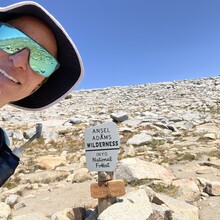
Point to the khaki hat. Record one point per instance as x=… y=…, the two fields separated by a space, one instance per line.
x=70 y=72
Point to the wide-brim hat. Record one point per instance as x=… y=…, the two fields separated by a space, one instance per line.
x=70 y=72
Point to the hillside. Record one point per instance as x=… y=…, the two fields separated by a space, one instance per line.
x=175 y=125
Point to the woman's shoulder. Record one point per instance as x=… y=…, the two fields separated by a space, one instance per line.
x=5 y=136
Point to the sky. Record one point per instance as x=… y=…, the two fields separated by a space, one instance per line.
x=133 y=42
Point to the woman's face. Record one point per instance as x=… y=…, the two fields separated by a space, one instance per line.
x=17 y=79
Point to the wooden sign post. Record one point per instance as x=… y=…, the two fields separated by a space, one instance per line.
x=106 y=190
x=102 y=146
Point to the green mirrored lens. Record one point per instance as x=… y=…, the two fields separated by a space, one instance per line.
x=40 y=60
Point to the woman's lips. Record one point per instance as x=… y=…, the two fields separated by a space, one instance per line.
x=9 y=76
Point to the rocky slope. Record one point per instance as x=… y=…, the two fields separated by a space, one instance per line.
x=169 y=153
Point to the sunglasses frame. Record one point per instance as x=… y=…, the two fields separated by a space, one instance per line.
x=43 y=51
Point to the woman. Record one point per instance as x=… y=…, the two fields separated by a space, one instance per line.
x=39 y=65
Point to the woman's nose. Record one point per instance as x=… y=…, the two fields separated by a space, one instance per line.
x=20 y=59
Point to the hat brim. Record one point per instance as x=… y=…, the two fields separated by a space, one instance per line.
x=70 y=72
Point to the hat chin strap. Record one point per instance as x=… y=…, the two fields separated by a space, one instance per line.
x=39 y=85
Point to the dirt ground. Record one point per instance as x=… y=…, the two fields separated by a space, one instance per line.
x=52 y=198
x=209 y=208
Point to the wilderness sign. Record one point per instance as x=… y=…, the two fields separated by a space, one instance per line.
x=102 y=145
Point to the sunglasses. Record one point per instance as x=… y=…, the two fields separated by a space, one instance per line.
x=13 y=41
